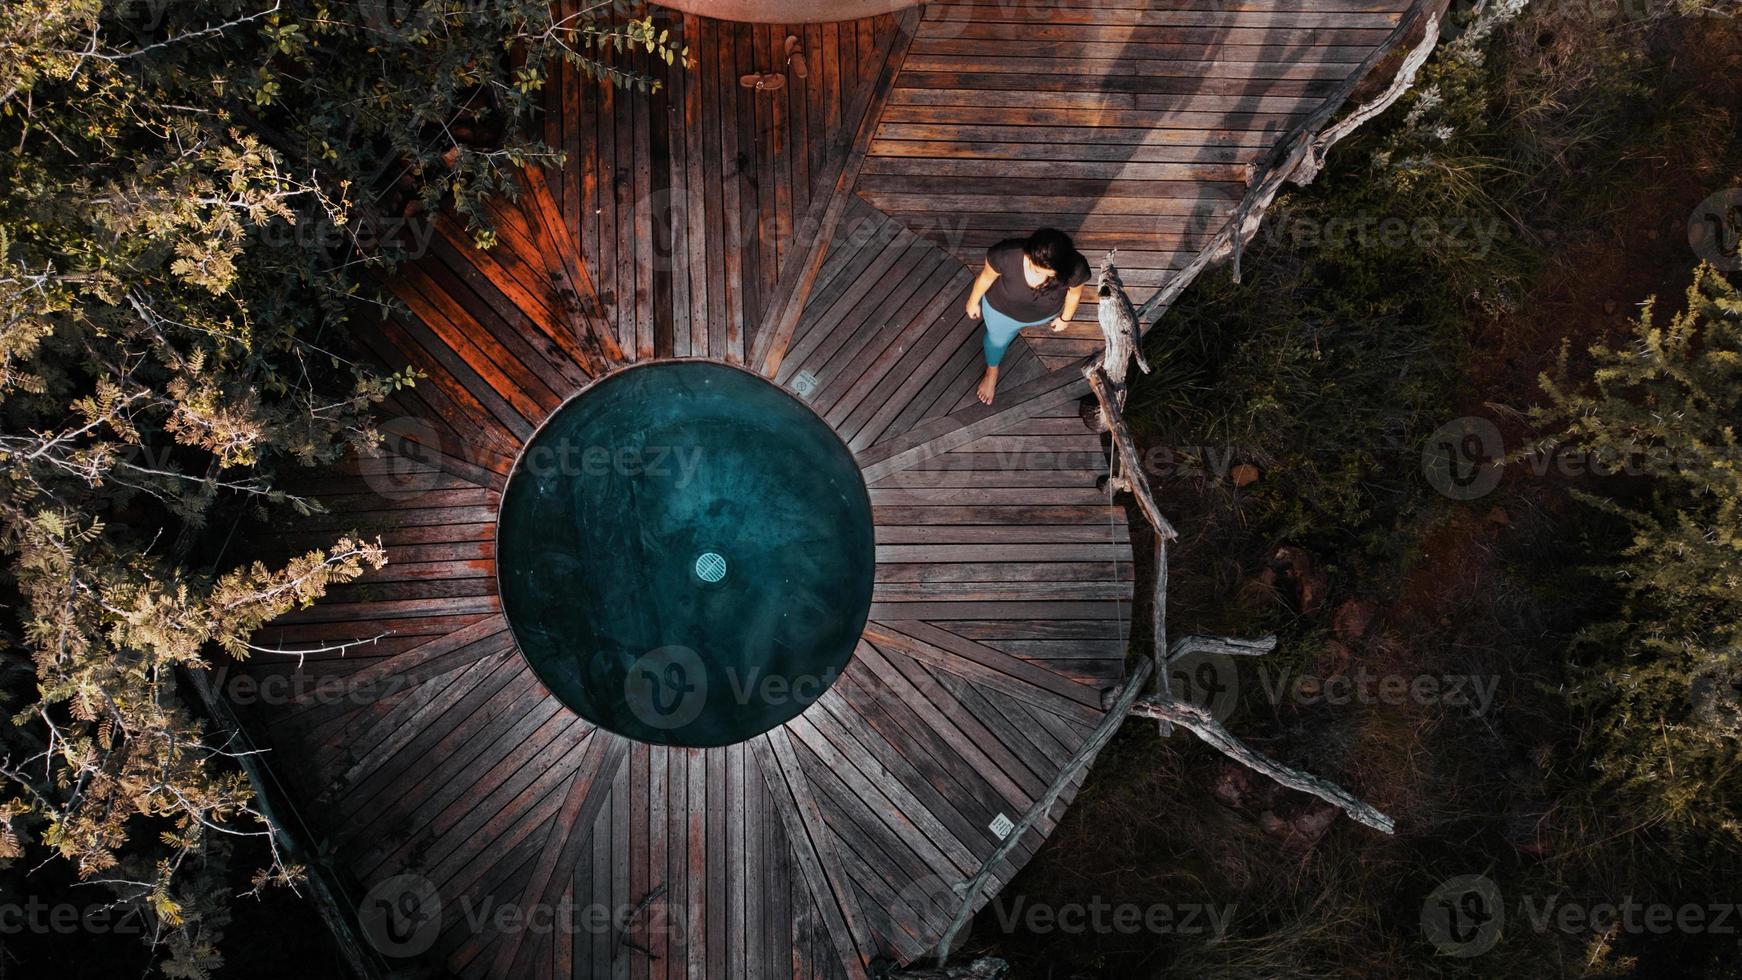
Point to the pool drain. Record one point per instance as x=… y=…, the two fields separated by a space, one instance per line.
x=710 y=567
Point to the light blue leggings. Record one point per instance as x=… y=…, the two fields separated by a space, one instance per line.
x=1000 y=331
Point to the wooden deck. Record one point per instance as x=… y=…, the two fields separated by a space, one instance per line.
x=1132 y=124
x=830 y=229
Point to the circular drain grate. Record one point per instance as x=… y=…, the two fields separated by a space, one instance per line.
x=710 y=567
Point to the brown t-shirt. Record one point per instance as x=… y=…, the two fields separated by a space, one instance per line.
x=1011 y=294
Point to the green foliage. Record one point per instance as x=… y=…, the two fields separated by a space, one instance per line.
x=1572 y=133
x=1663 y=679
x=1347 y=340
x=440 y=94
x=190 y=197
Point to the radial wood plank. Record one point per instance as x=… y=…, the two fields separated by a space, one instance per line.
x=829 y=230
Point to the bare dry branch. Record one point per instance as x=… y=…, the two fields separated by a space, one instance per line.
x=1201 y=723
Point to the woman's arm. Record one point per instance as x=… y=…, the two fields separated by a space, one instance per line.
x=1072 y=298
x=988 y=276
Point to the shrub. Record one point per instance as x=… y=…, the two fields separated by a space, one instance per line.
x=1662 y=679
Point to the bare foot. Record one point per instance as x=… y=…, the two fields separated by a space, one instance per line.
x=795 y=59
x=764 y=81
x=988 y=384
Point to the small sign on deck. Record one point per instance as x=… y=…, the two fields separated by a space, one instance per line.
x=1002 y=826
x=804 y=385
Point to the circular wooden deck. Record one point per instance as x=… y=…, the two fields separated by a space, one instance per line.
x=825 y=236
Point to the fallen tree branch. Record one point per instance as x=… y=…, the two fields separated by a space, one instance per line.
x=1158 y=627
x=1311 y=140
x=1201 y=723
x=1126 y=473
x=984 y=968
x=1230 y=645
x=1119 y=327
x=1314 y=160
x=1130 y=476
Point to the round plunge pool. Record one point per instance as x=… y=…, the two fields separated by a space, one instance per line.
x=685 y=554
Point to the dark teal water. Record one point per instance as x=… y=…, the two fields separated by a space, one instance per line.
x=685 y=554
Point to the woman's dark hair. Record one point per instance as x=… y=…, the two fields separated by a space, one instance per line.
x=1052 y=249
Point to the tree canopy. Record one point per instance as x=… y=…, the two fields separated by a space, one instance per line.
x=192 y=203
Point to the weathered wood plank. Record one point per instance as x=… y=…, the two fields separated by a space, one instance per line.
x=788 y=295
x=814 y=850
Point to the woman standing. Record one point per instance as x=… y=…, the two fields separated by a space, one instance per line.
x=1026 y=282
